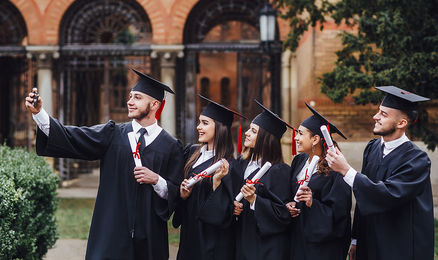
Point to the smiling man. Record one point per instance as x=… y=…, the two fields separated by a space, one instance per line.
x=133 y=204
x=394 y=207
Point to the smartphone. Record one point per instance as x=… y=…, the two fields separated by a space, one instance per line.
x=35 y=98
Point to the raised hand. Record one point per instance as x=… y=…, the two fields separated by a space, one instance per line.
x=29 y=102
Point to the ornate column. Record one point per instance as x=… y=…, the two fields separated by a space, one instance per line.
x=286 y=85
x=294 y=91
x=44 y=56
x=168 y=55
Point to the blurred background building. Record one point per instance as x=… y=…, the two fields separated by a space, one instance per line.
x=79 y=55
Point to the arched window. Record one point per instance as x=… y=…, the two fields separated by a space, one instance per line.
x=98 y=41
x=14 y=74
x=105 y=22
x=205 y=88
x=225 y=91
x=12 y=26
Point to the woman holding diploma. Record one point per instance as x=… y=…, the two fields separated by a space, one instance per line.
x=204 y=208
x=320 y=226
x=261 y=232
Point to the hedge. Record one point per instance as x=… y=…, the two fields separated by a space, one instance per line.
x=27 y=205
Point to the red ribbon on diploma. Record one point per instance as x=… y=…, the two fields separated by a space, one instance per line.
x=306 y=178
x=256 y=181
x=136 y=153
x=202 y=174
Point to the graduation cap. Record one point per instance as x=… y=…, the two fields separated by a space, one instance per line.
x=402 y=100
x=270 y=122
x=222 y=114
x=314 y=123
x=153 y=88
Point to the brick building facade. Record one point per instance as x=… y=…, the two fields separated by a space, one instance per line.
x=79 y=53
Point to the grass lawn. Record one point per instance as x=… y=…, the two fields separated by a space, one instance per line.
x=74 y=219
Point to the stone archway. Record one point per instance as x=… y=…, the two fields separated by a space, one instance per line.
x=13 y=68
x=100 y=41
x=222 y=42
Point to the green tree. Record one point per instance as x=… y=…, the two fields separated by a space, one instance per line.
x=396 y=43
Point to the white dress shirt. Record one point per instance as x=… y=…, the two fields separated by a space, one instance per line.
x=205 y=156
x=252 y=166
x=152 y=132
x=43 y=121
x=302 y=173
x=389 y=147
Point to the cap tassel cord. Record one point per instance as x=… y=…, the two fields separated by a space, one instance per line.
x=160 y=109
x=239 y=140
x=293 y=143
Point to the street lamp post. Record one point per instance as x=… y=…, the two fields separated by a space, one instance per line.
x=269 y=45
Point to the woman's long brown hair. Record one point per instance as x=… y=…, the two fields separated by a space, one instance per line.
x=222 y=145
x=267 y=148
x=323 y=167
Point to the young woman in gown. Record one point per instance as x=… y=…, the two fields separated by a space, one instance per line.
x=320 y=227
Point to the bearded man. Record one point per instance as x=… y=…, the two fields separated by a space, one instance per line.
x=133 y=204
x=394 y=208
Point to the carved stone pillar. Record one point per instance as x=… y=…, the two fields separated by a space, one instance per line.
x=168 y=55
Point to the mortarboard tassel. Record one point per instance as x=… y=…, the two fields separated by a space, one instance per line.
x=239 y=140
x=293 y=143
x=160 y=109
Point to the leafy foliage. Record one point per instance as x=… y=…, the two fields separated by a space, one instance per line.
x=396 y=43
x=27 y=205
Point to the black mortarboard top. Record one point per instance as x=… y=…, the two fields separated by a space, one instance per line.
x=150 y=86
x=314 y=123
x=219 y=112
x=270 y=122
x=400 y=99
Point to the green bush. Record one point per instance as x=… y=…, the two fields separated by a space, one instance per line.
x=27 y=205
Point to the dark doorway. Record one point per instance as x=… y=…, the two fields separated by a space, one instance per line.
x=101 y=40
x=13 y=68
x=222 y=44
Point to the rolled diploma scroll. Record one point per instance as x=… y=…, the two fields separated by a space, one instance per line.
x=207 y=172
x=258 y=176
x=327 y=138
x=309 y=172
x=133 y=143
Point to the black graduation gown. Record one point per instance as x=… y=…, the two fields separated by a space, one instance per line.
x=262 y=233
x=121 y=204
x=204 y=217
x=323 y=230
x=394 y=207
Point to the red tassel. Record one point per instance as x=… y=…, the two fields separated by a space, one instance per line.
x=328 y=128
x=239 y=141
x=160 y=109
x=293 y=143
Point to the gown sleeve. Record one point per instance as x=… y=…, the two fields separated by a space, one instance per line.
x=218 y=207
x=179 y=202
x=173 y=179
x=404 y=183
x=270 y=212
x=86 y=143
x=329 y=216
